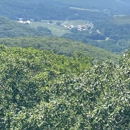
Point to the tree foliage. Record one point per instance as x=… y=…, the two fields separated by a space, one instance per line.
x=42 y=90
x=59 y=46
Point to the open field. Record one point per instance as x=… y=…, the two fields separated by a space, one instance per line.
x=91 y=10
x=58 y=30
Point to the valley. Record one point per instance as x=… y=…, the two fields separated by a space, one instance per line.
x=59 y=28
x=110 y=34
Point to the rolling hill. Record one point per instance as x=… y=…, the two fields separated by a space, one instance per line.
x=9 y=28
x=60 y=46
x=57 y=9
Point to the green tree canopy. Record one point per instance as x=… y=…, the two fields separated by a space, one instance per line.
x=42 y=90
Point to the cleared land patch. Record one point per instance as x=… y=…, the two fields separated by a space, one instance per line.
x=59 y=28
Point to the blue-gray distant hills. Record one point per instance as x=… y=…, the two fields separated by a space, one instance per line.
x=59 y=9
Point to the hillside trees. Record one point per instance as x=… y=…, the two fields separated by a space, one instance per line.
x=41 y=90
x=10 y=28
x=111 y=34
x=59 y=46
x=49 y=10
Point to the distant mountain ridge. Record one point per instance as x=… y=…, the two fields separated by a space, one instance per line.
x=57 y=9
x=95 y=3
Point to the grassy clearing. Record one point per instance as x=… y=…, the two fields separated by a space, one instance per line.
x=90 y=10
x=57 y=30
x=74 y=22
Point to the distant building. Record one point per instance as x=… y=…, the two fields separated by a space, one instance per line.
x=24 y=22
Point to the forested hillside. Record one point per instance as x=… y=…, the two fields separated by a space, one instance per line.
x=111 y=34
x=25 y=36
x=41 y=90
x=60 y=46
x=60 y=10
x=43 y=10
x=9 y=28
x=115 y=6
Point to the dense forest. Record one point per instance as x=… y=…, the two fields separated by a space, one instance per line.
x=60 y=46
x=42 y=90
x=60 y=10
x=44 y=10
